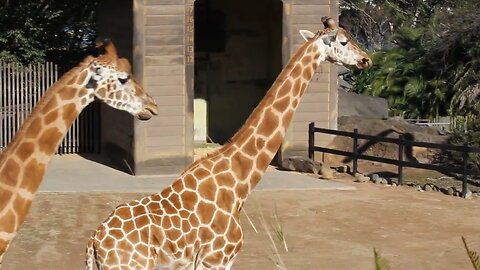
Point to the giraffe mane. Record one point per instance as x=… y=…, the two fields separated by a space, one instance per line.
x=209 y=155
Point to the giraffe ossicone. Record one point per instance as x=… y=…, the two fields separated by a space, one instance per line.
x=195 y=222
x=25 y=159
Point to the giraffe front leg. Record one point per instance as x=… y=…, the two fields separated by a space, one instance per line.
x=220 y=259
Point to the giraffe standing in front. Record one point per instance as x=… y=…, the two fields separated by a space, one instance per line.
x=194 y=223
x=24 y=161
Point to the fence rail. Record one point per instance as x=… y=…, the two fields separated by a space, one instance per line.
x=21 y=88
x=401 y=142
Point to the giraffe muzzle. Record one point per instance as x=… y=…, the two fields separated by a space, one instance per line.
x=149 y=110
x=365 y=63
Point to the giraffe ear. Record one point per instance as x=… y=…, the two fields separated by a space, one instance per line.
x=307 y=35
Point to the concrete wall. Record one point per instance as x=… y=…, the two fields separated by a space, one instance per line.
x=163 y=60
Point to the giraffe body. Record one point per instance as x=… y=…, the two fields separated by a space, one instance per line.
x=24 y=161
x=195 y=222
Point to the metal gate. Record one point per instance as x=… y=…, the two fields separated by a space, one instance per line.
x=20 y=89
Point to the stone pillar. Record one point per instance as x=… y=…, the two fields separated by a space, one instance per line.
x=319 y=103
x=163 y=62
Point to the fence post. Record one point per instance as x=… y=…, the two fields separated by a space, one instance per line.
x=464 y=169
x=400 y=158
x=311 y=140
x=354 y=151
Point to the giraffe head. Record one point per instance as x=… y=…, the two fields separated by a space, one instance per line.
x=337 y=45
x=112 y=82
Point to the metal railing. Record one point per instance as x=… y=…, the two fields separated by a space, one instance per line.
x=402 y=144
x=21 y=88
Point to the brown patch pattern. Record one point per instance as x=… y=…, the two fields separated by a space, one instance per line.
x=207 y=189
x=50 y=117
x=35 y=128
x=282 y=104
x=25 y=150
x=241 y=165
x=268 y=124
x=32 y=175
x=70 y=113
x=49 y=140
x=10 y=172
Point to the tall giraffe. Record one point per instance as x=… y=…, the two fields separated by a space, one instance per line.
x=24 y=161
x=194 y=223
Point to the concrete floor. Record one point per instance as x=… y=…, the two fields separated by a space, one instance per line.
x=74 y=173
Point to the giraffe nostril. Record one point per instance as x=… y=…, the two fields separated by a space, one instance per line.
x=366 y=62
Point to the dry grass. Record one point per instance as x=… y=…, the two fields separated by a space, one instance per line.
x=275 y=234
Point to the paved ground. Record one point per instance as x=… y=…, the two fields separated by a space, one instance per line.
x=324 y=229
x=72 y=173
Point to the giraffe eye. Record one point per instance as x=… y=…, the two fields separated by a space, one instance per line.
x=343 y=43
x=123 y=80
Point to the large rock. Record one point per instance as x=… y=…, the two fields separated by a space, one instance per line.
x=352 y=104
x=391 y=128
x=306 y=165
x=301 y=164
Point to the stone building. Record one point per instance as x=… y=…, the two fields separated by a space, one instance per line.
x=222 y=54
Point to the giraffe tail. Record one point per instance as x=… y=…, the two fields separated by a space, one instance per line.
x=90 y=256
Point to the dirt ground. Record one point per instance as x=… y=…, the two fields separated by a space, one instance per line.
x=323 y=229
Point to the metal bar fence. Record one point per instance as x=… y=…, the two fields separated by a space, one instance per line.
x=21 y=88
x=400 y=162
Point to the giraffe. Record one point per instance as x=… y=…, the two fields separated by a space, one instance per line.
x=24 y=161
x=194 y=223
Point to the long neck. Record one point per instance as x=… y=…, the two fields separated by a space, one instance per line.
x=255 y=144
x=24 y=161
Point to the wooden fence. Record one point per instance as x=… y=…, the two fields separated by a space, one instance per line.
x=402 y=144
x=20 y=89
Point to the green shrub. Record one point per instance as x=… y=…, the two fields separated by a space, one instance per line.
x=469 y=133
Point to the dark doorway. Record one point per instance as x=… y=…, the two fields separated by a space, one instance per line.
x=238 y=55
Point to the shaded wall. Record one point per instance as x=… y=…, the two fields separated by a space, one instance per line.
x=115 y=21
x=237 y=58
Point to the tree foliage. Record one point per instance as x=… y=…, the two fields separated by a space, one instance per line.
x=372 y=22
x=29 y=29
x=467 y=132
x=432 y=65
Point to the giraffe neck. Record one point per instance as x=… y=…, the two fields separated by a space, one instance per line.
x=253 y=147
x=24 y=161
